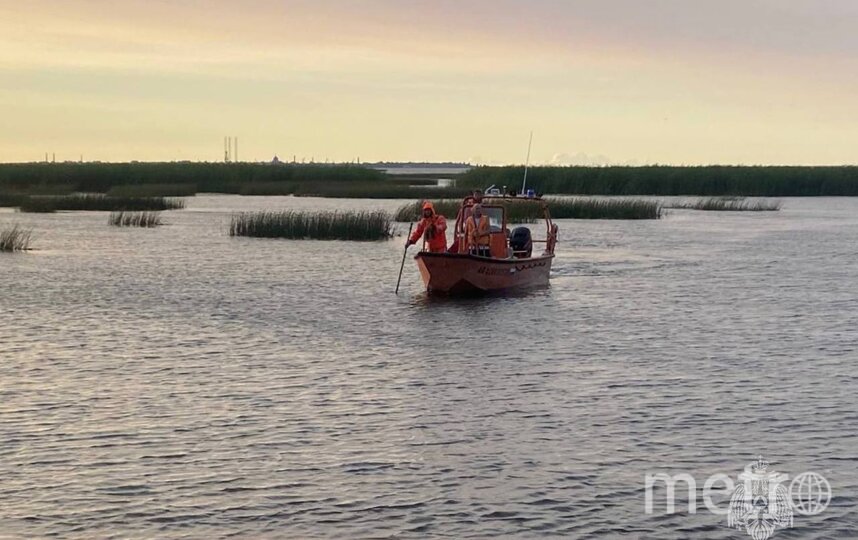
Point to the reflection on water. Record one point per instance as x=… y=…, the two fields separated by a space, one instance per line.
x=177 y=382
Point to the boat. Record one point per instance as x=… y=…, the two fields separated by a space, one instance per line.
x=509 y=264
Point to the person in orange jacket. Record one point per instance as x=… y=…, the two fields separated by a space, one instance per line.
x=433 y=228
x=477 y=232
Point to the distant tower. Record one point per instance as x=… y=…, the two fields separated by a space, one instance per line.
x=225 y=151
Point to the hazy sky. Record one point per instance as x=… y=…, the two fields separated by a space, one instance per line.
x=620 y=81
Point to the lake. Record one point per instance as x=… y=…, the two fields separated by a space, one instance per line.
x=176 y=382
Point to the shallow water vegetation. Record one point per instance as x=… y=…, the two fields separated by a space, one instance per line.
x=375 y=225
x=588 y=208
x=559 y=208
x=726 y=204
x=206 y=177
x=266 y=188
x=376 y=190
x=754 y=181
x=15 y=239
x=98 y=202
x=153 y=190
x=11 y=199
x=135 y=219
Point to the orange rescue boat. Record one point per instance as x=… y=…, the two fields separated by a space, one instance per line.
x=509 y=263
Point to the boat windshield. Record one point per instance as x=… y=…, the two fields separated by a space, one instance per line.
x=495 y=215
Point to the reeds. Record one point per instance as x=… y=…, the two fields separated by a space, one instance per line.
x=11 y=199
x=726 y=204
x=763 y=181
x=267 y=188
x=153 y=190
x=559 y=208
x=15 y=239
x=376 y=190
x=319 y=226
x=407 y=213
x=207 y=177
x=99 y=202
x=134 y=219
x=599 y=208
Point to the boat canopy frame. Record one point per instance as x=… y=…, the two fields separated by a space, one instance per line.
x=501 y=202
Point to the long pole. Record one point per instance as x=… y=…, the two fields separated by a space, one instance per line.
x=527 y=164
x=404 y=253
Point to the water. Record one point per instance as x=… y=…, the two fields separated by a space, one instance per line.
x=180 y=383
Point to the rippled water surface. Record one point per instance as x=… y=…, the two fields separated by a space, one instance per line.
x=176 y=382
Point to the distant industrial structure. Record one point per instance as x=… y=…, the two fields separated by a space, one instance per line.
x=230 y=150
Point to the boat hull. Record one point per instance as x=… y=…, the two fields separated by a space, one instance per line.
x=454 y=273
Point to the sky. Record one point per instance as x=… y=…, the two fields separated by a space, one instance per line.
x=596 y=81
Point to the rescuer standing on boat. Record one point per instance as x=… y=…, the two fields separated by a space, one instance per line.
x=433 y=228
x=477 y=232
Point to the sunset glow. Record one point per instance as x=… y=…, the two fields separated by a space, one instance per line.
x=619 y=81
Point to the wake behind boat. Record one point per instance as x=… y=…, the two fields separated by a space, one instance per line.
x=485 y=255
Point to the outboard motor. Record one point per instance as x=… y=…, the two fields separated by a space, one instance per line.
x=521 y=243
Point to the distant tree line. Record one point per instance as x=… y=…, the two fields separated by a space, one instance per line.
x=758 y=181
x=207 y=177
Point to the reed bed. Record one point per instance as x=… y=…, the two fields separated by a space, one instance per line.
x=559 y=208
x=762 y=181
x=407 y=213
x=589 y=208
x=376 y=190
x=11 y=199
x=267 y=188
x=134 y=219
x=413 y=180
x=98 y=202
x=153 y=190
x=313 y=225
x=15 y=239
x=724 y=204
x=207 y=177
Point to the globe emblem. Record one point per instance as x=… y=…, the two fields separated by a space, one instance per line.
x=810 y=493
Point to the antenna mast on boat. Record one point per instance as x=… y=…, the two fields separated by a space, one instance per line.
x=526 y=164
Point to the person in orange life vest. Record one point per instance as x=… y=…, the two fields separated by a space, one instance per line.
x=477 y=232
x=475 y=198
x=433 y=228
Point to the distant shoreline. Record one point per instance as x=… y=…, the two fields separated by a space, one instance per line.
x=418 y=180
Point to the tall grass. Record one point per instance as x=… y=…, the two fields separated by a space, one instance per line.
x=15 y=239
x=99 y=202
x=207 y=177
x=414 y=180
x=267 y=188
x=559 y=208
x=153 y=190
x=661 y=180
x=320 y=226
x=11 y=199
x=378 y=190
x=726 y=204
x=590 y=208
x=134 y=219
x=407 y=213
